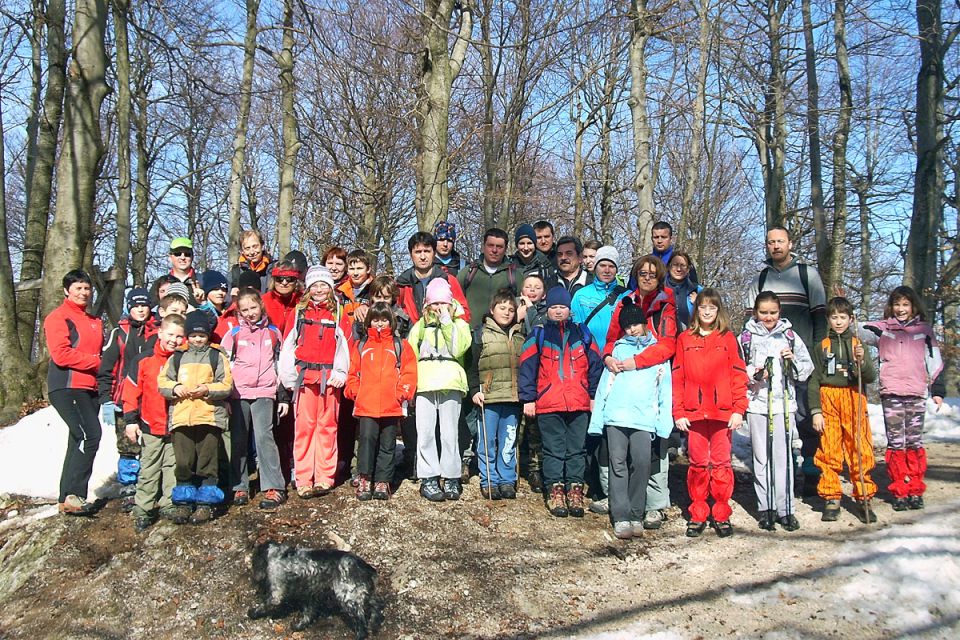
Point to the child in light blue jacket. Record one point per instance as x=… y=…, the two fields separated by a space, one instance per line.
x=633 y=411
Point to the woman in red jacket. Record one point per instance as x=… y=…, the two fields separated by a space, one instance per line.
x=74 y=339
x=709 y=400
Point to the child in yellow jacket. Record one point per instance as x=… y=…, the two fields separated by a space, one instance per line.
x=197 y=383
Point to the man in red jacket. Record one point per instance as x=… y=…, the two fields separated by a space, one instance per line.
x=74 y=340
x=413 y=282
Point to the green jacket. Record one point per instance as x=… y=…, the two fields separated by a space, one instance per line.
x=482 y=286
x=440 y=347
x=834 y=366
x=495 y=357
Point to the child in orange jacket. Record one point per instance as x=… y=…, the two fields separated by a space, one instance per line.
x=381 y=382
x=709 y=401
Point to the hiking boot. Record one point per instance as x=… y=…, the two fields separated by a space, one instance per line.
x=273 y=498
x=789 y=522
x=364 y=492
x=142 y=523
x=180 y=514
x=653 y=519
x=507 y=492
x=901 y=504
x=637 y=527
x=490 y=493
x=724 y=528
x=557 y=502
x=430 y=489
x=305 y=492
x=695 y=529
x=451 y=488
x=241 y=498
x=865 y=512
x=202 y=514
x=575 y=500
x=76 y=506
x=381 y=491
x=623 y=530
x=535 y=482
x=831 y=511
x=127 y=503
x=768 y=520
x=601 y=507
x=915 y=502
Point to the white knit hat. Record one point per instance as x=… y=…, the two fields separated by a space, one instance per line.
x=609 y=253
x=317 y=274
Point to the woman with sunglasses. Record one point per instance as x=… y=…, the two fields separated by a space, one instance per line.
x=283 y=294
x=660 y=309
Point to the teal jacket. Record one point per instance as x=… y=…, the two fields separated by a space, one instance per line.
x=590 y=296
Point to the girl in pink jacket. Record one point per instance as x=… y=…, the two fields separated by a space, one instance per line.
x=909 y=363
x=253 y=346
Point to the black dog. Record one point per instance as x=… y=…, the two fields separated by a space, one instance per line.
x=316 y=582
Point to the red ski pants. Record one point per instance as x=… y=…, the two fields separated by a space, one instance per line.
x=315 y=436
x=845 y=438
x=708 y=445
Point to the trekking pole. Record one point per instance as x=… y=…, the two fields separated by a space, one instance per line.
x=787 y=368
x=771 y=477
x=859 y=425
x=483 y=425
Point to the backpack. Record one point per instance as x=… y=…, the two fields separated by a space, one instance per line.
x=276 y=343
x=213 y=354
x=475 y=266
x=746 y=337
x=397 y=346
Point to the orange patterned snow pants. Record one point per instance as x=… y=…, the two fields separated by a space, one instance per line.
x=840 y=443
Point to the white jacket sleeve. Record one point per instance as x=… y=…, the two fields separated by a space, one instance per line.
x=287 y=365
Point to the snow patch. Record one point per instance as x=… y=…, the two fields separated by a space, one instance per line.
x=31 y=458
x=635 y=631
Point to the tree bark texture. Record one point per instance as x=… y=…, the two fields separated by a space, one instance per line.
x=121 y=251
x=291 y=141
x=840 y=138
x=440 y=65
x=775 y=121
x=694 y=159
x=822 y=239
x=78 y=166
x=643 y=181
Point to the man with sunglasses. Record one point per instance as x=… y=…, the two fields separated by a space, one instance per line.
x=181 y=259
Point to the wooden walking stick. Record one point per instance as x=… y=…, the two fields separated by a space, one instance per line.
x=859 y=424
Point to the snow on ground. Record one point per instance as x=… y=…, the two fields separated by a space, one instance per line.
x=31 y=457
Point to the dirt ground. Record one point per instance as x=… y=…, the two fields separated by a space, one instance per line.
x=467 y=569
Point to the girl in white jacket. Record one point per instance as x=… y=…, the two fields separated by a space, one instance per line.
x=776 y=359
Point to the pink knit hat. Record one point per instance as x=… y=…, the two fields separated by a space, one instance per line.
x=438 y=291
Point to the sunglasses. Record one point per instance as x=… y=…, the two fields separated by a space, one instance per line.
x=182 y=254
x=647 y=274
x=286 y=280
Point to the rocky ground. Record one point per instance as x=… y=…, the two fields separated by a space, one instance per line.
x=473 y=569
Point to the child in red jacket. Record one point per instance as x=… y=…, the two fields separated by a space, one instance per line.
x=709 y=400
x=382 y=380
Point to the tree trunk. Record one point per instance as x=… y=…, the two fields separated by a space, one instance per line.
x=643 y=181
x=694 y=159
x=291 y=142
x=121 y=251
x=19 y=377
x=41 y=178
x=141 y=194
x=78 y=167
x=866 y=266
x=775 y=192
x=840 y=137
x=813 y=141
x=238 y=163
x=440 y=67
x=920 y=264
x=487 y=138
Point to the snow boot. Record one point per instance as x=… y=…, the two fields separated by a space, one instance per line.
x=915 y=502
x=768 y=520
x=557 y=502
x=575 y=500
x=831 y=511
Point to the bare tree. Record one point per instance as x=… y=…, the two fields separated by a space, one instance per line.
x=641 y=29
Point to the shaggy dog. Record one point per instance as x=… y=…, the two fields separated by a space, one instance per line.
x=316 y=582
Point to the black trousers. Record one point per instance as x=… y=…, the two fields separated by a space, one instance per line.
x=378 y=444
x=196 y=450
x=80 y=410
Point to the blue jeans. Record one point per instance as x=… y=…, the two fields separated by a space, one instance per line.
x=501 y=420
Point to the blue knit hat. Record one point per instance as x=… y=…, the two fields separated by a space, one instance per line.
x=558 y=296
x=445 y=231
x=138 y=297
x=210 y=280
x=524 y=231
x=197 y=322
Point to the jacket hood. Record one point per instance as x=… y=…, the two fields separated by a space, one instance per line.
x=756 y=327
x=639 y=341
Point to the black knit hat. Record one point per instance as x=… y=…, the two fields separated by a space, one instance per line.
x=248 y=279
x=197 y=322
x=631 y=314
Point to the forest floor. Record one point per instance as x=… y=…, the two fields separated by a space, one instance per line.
x=507 y=569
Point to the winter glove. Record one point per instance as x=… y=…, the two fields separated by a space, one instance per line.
x=108 y=414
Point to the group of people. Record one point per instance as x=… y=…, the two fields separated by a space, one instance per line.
x=310 y=373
